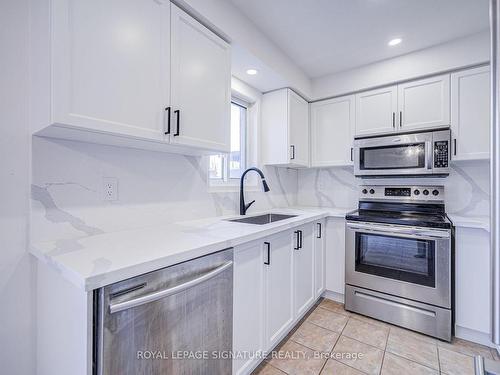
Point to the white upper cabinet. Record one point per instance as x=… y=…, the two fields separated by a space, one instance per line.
x=111 y=65
x=126 y=72
x=419 y=104
x=201 y=85
x=470 y=114
x=332 y=131
x=424 y=103
x=285 y=129
x=376 y=111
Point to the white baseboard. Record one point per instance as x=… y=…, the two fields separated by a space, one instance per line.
x=335 y=296
x=474 y=336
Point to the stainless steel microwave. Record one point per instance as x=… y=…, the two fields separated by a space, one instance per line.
x=410 y=154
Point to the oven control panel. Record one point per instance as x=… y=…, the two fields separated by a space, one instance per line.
x=405 y=193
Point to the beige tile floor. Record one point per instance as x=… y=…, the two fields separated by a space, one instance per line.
x=327 y=340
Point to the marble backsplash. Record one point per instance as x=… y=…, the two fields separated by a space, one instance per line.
x=466 y=188
x=156 y=188
x=153 y=188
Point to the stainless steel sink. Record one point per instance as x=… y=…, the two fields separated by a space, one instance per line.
x=262 y=219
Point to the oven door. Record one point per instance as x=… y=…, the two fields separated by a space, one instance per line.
x=404 y=261
x=406 y=154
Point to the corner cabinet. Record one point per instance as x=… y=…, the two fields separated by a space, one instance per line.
x=414 y=105
x=332 y=131
x=137 y=73
x=470 y=114
x=285 y=129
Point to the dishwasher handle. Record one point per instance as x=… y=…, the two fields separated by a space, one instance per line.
x=120 y=306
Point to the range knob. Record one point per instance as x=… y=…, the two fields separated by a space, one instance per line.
x=435 y=192
x=372 y=191
x=416 y=192
x=364 y=191
x=426 y=192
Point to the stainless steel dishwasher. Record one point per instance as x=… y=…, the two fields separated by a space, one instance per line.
x=177 y=320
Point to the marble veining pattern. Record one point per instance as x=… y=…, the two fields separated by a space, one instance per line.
x=153 y=188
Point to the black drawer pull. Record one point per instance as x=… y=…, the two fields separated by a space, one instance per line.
x=319 y=230
x=268 y=244
x=178 y=113
x=168 y=109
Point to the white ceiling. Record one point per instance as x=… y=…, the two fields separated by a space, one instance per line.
x=328 y=36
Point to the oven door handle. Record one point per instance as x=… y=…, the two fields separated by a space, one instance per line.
x=435 y=233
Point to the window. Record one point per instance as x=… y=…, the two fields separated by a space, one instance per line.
x=230 y=166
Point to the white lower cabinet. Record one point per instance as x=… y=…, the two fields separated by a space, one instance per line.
x=275 y=283
x=472 y=284
x=319 y=258
x=278 y=275
x=248 y=304
x=335 y=256
x=303 y=269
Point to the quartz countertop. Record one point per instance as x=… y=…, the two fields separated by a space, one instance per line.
x=98 y=260
x=477 y=222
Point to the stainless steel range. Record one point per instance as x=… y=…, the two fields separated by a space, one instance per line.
x=399 y=258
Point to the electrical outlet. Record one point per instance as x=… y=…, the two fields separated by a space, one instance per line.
x=110 y=188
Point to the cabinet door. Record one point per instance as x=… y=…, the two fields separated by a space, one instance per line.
x=248 y=303
x=201 y=85
x=472 y=279
x=319 y=258
x=424 y=103
x=278 y=287
x=335 y=255
x=110 y=65
x=376 y=111
x=470 y=114
x=332 y=131
x=303 y=264
x=298 y=123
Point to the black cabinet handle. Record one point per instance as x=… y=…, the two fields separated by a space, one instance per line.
x=394 y=120
x=168 y=109
x=293 y=152
x=296 y=247
x=268 y=244
x=178 y=114
x=319 y=230
x=300 y=239
x=351 y=155
x=400 y=118
x=455 y=146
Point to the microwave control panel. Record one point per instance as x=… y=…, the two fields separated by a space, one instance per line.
x=441 y=154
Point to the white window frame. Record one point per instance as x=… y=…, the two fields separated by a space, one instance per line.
x=250 y=98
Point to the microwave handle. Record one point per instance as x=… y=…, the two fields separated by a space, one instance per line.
x=429 y=154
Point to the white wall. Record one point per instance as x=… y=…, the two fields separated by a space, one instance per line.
x=16 y=320
x=468 y=51
x=226 y=17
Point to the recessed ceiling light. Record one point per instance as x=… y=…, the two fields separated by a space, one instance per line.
x=394 y=42
x=252 y=72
